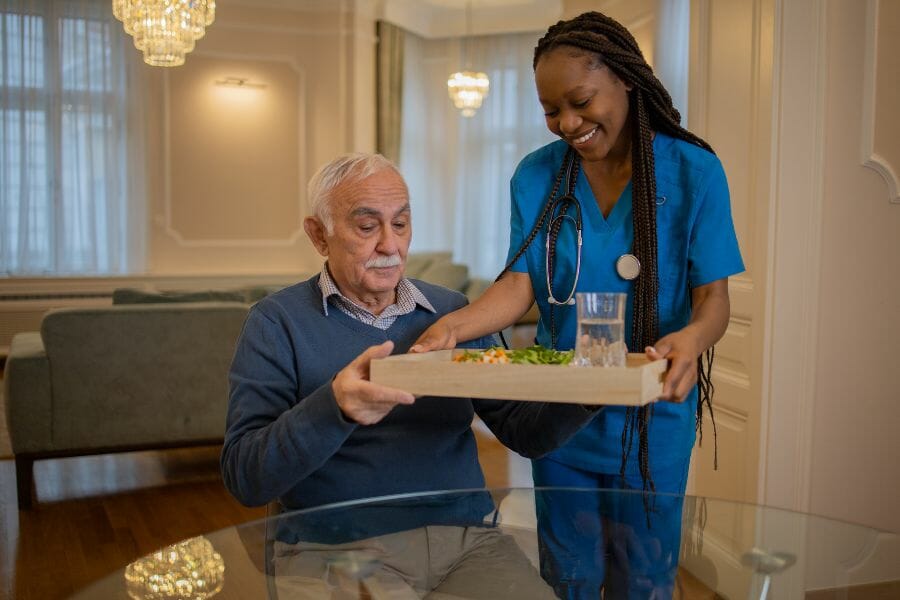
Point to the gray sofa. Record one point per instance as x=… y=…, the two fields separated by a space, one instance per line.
x=119 y=378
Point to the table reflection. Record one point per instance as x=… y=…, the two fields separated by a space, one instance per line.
x=188 y=570
x=484 y=544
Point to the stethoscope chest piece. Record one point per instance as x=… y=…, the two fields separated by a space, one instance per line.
x=628 y=267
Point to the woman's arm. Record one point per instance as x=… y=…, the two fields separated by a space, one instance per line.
x=709 y=319
x=501 y=305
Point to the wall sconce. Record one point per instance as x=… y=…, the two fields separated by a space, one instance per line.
x=240 y=82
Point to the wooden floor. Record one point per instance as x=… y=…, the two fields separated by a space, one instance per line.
x=94 y=515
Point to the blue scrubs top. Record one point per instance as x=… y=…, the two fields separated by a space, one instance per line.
x=696 y=245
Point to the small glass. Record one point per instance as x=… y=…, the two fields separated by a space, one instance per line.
x=601 y=330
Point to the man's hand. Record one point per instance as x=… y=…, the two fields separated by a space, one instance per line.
x=440 y=336
x=682 y=350
x=361 y=400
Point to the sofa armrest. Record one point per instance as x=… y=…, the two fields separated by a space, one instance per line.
x=28 y=395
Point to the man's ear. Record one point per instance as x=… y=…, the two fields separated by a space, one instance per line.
x=316 y=232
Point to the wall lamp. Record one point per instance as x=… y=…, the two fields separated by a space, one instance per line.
x=240 y=82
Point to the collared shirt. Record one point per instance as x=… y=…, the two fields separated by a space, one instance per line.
x=408 y=296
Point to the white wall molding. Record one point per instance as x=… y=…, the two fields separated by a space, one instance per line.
x=433 y=19
x=698 y=78
x=290 y=30
x=791 y=325
x=871 y=158
x=306 y=6
x=165 y=220
x=343 y=71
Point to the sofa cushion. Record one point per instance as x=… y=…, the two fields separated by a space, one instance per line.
x=447 y=274
x=418 y=262
x=135 y=296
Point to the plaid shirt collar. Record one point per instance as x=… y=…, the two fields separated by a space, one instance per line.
x=408 y=297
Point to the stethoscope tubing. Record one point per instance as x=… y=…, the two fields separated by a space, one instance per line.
x=558 y=203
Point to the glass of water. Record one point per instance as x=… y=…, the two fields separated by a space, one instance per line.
x=601 y=329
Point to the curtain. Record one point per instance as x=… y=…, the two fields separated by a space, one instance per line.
x=71 y=141
x=458 y=168
x=389 y=85
x=672 y=51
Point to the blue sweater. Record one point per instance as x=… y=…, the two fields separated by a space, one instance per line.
x=286 y=437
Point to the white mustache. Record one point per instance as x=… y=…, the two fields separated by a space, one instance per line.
x=381 y=262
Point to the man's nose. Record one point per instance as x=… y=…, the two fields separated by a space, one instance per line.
x=388 y=241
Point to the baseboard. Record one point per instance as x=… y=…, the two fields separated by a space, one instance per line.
x=886 y=590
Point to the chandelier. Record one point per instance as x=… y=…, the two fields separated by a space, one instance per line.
x=468 y=88
x=165 y=30
x=188 y=570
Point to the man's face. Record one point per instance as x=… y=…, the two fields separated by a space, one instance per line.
x=366 y=252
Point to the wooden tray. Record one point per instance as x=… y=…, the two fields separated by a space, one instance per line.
x=435 y=374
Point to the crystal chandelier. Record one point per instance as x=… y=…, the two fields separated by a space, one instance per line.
x=468 y=88
x=191 y=569
x=165 y=30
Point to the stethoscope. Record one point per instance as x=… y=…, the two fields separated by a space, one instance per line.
x=627 y=265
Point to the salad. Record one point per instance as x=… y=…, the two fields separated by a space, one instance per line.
x=533 y=355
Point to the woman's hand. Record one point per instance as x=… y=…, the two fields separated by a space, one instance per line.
x=440 y=336
x=709 y=318
x=682 y=350
x=501 y=305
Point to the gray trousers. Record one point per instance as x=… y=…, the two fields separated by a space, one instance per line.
x=435 y=562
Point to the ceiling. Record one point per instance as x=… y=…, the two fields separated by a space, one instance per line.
x=437 y=18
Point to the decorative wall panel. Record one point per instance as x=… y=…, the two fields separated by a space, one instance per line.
x=881 y=94
x=234 y=154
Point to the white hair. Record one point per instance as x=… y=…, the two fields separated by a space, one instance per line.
x=347 y=168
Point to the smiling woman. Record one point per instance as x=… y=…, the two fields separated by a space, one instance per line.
x=621 y=145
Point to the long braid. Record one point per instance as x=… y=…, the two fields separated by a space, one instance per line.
x=570 y=166
x=651 y=109
x=541 y=219
x=538 y=225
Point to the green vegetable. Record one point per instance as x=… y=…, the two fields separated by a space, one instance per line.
x=534 y=355
x=538 y=355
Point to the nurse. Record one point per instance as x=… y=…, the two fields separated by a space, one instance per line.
x=656 y=224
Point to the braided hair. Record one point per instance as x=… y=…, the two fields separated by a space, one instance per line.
x=608 y=43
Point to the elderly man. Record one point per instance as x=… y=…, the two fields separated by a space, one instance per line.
x=305 y=426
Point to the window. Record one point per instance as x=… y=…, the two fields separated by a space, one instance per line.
x=458 y=168
x=70 y=180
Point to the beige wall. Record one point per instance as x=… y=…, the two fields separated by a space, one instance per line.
x=228 y=166
x=856 y=441
x=639 y=16
x=833 y=410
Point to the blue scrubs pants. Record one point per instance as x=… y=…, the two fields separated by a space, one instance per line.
x=590 y=542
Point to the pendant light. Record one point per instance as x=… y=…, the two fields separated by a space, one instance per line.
x=468 y=88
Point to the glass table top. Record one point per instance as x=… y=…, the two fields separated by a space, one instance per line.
x=487 y=544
